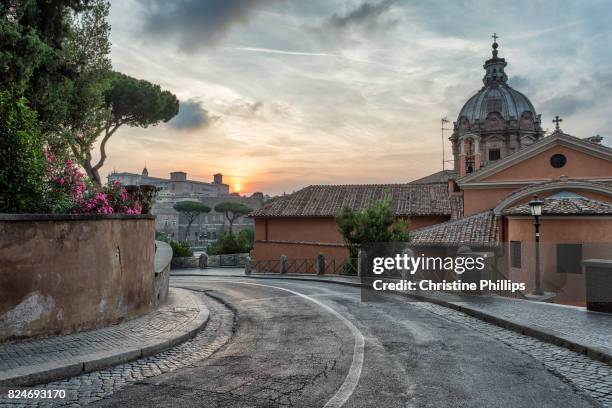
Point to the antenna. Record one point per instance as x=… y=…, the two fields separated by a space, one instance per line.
x=442 y=129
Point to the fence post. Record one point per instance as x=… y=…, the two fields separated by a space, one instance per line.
x=247 y=265
x=362 y=259
x=320 y=264
x=283 y=264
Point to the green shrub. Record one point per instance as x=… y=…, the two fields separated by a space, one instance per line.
x=180 y=249
x=22 y=161
x=374 y=223
x=160 y=236
x=228 y=243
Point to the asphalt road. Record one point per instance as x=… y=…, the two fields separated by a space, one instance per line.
x=309 y=344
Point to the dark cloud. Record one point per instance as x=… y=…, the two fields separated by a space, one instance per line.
x=191 y=116
x=243 y=107
x=586 y=94
x=366 y=15
x=566 y=105
x=195 y=24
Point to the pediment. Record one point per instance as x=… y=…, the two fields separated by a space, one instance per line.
x=588 y=160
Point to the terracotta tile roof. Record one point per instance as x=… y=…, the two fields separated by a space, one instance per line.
x=566 y=206
x=439 y=177
x=478 y=230
x=327 y=200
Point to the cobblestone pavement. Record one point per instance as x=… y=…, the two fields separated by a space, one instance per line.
x=90 y=387
x=162 y=324
x=576 y=324
x=592 y=377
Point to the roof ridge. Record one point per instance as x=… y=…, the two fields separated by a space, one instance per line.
x=455 y=221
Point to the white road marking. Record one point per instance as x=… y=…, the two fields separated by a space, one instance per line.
x=352 y=378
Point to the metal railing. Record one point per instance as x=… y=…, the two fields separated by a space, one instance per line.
x=266 y=266
x=301 y=266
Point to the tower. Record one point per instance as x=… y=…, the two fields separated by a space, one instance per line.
x=495 y=122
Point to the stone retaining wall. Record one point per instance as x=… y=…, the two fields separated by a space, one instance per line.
x=66 y=273
x=163 y=258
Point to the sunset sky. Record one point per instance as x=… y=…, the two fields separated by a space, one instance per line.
x=280 y=94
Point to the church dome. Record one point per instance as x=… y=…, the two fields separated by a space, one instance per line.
x=496 y=96
x=500 y=98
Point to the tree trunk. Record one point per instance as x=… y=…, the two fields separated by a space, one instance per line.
x=92 y=172
x=187 y=230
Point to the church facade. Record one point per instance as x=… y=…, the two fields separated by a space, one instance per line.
x=502 y=159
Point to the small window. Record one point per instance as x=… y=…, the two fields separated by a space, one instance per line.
x=494 y=154
x=515 y=254
x=569 y=258
x=558 y=161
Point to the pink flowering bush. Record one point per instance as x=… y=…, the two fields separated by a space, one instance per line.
x=70 y=191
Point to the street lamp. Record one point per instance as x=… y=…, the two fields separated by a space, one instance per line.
x=535 y=206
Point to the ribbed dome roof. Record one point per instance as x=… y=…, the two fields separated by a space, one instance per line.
x=496 y=98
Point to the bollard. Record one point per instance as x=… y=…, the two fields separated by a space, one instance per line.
x=320 y=264
x=283 y=264
x=203 y=261
x=247 y=265
x=362 y=259
x=405 y=273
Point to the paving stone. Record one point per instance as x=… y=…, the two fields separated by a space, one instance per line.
x=103 y=347
x=87 y=388
x=589 y=376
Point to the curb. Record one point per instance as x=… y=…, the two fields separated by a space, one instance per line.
x=71 y=367
x=537 y=332
x=270 y=276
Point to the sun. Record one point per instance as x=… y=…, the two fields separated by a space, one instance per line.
x=237 y=187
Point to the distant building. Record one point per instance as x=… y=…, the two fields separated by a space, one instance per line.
x=208 y=227
x=176 y=184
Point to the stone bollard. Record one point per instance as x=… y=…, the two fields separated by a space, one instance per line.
x=320 y=264
x=598 y=281
x=203 y=261
x=463 y=250
x=247 y=265
x=405 y=273
x=362 y=262
x=283 y=264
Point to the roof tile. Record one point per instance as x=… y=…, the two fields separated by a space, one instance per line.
x=327 y=200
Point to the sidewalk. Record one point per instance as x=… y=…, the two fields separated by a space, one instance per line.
x=571 y=327
x=37 y=361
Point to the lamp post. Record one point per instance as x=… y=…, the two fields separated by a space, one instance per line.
x=535 y=206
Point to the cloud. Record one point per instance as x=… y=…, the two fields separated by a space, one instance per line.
x=366 y=15
x=191 y=116
x=519 y=82
x=243 y=107
x=195 y=24
x=581 y=97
